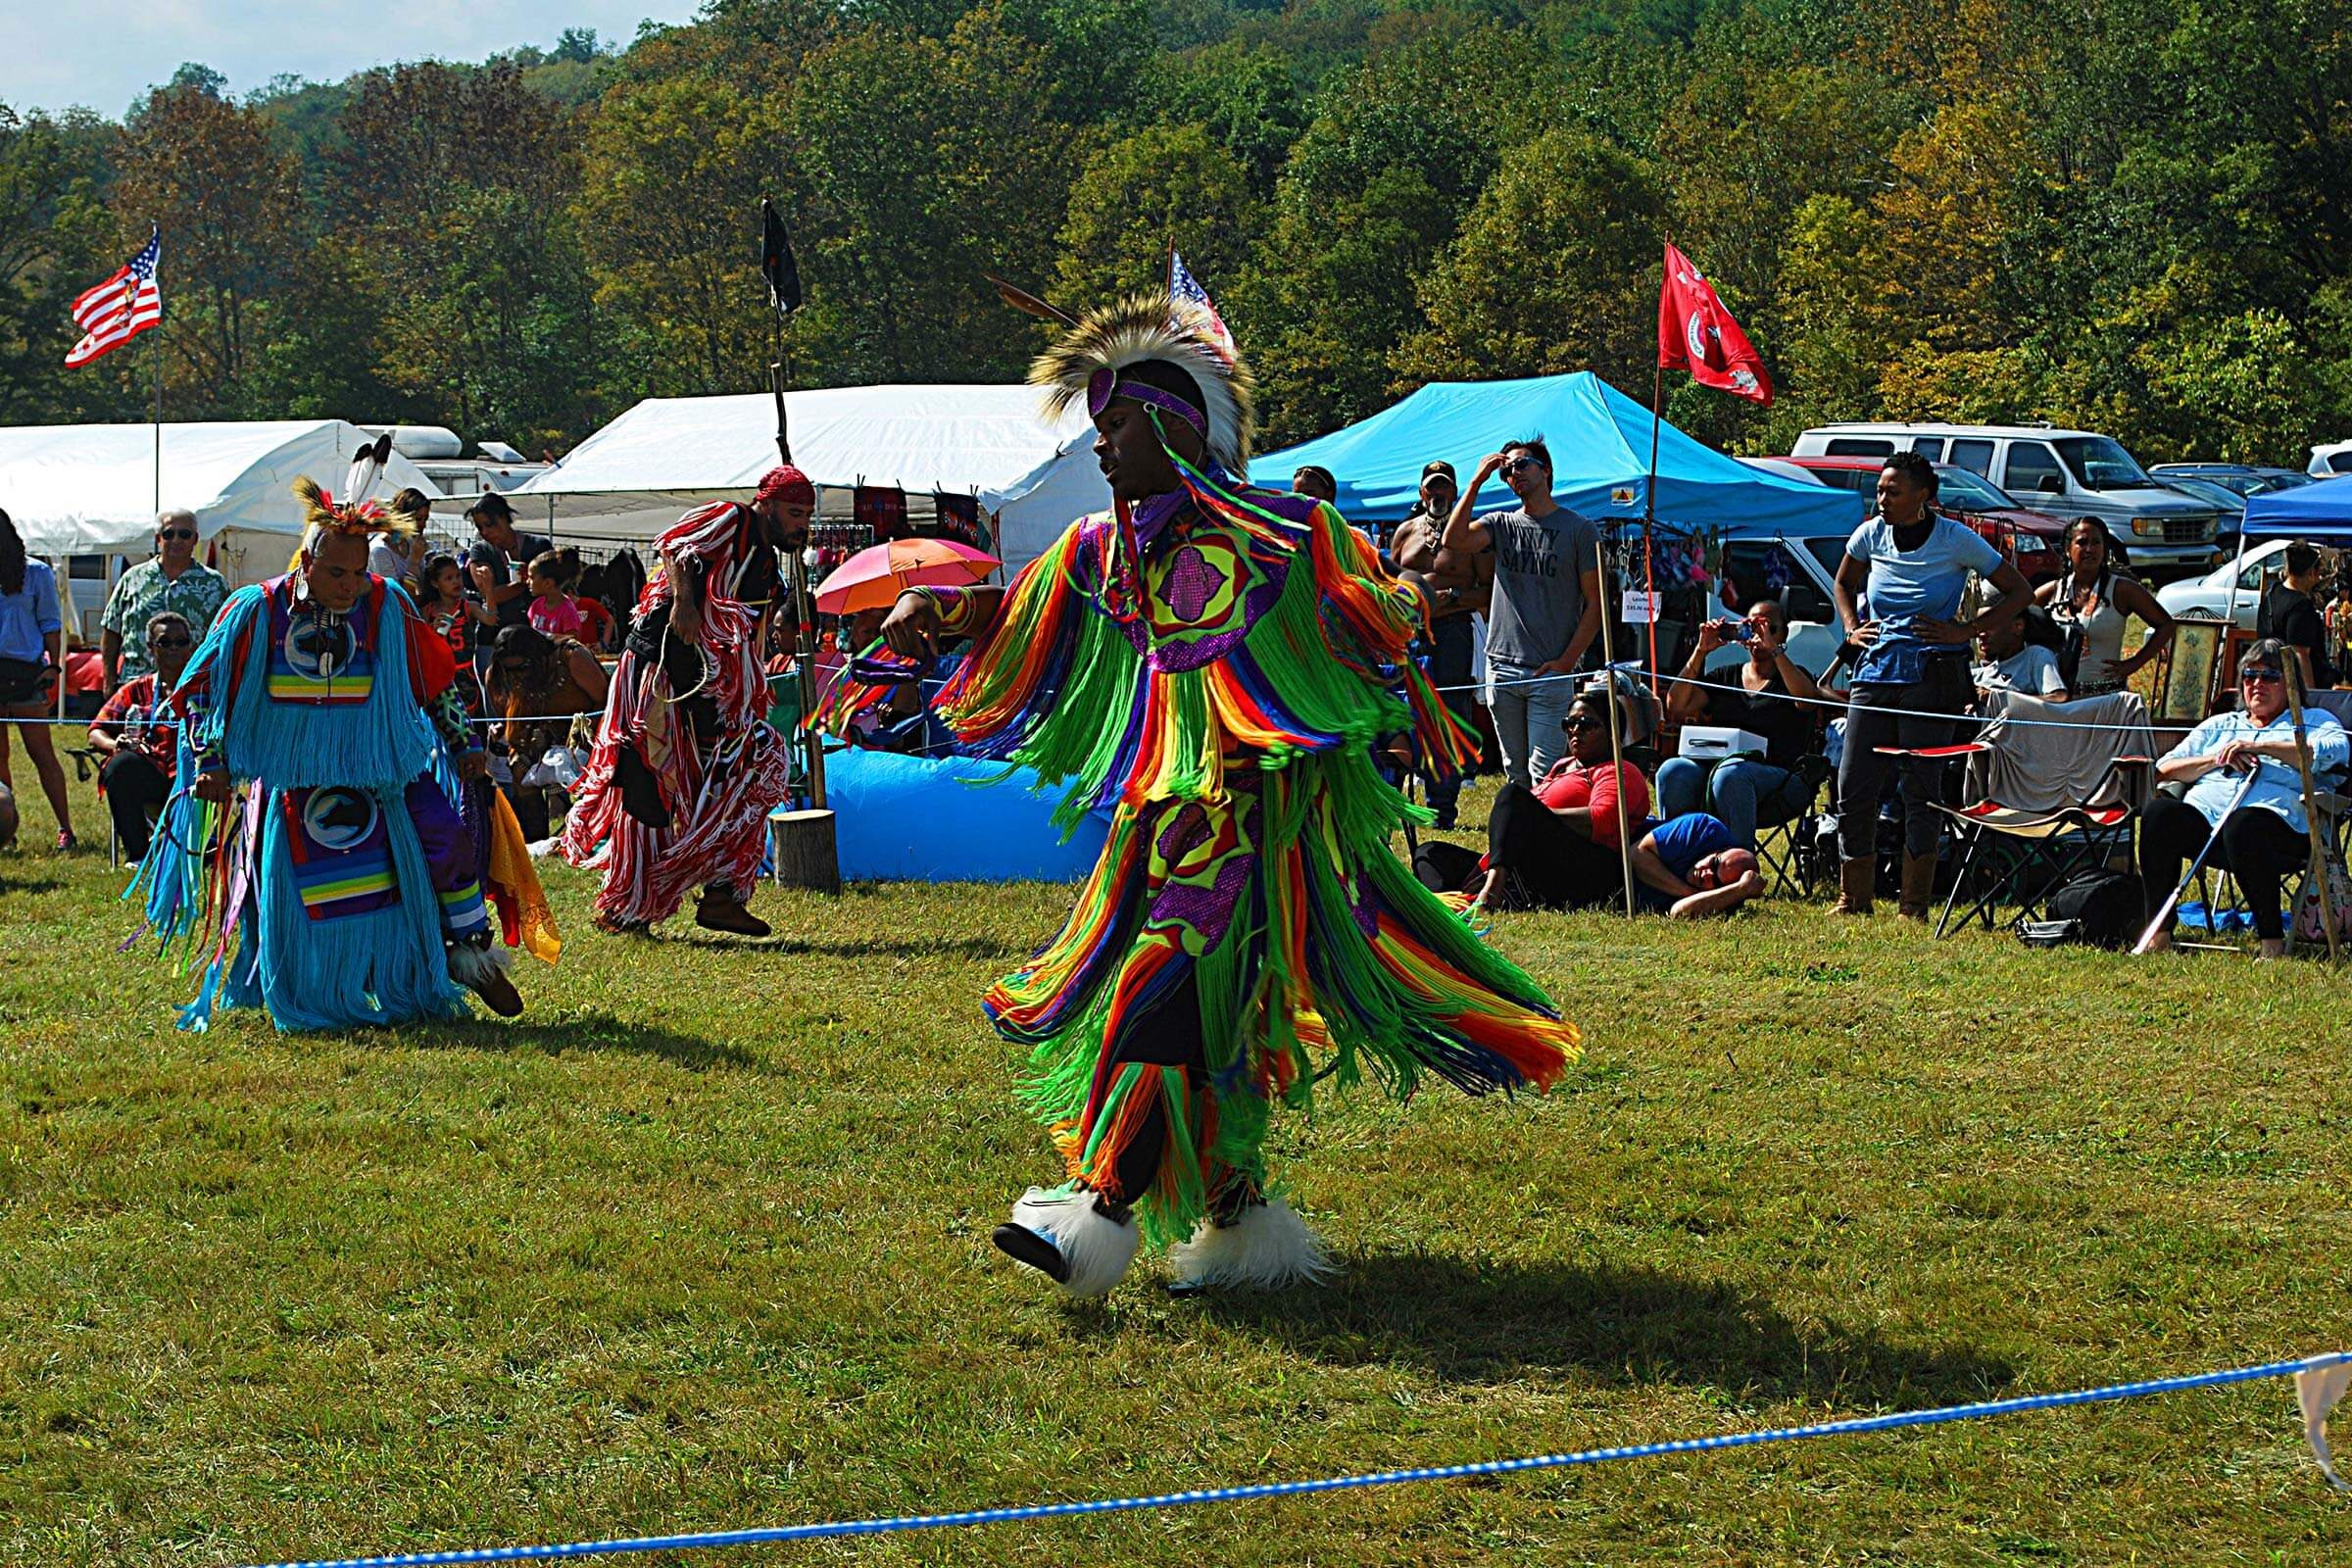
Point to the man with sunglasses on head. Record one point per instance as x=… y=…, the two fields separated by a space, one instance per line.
x=174 y=582
x=138 y=738
x=1546 y=610
x=2266 y=837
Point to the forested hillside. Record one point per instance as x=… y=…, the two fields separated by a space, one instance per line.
x=2127 y=214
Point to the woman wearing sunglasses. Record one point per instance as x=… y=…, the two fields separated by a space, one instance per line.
x=132 y=732
x=2265 y=838
x=174 y=582
x=1553 y=846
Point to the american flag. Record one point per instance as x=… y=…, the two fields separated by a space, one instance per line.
x=1186 y=297
x=113 y=312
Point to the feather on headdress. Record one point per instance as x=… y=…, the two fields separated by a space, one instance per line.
x=1086 y=362
x=356 y=514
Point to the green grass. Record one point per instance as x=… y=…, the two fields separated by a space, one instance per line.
x=702 y=1243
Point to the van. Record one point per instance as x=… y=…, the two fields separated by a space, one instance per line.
x=2071 y=473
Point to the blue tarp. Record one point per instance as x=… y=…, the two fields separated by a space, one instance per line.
x=2322 y=511
x=1599 y=441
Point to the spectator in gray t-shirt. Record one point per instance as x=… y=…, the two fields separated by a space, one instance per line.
x=1546 y=607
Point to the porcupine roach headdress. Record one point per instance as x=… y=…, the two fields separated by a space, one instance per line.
x=1088 y=363
x=355 y=512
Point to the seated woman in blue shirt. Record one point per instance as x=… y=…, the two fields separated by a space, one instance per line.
x=2267 y=837
x=1914 y=668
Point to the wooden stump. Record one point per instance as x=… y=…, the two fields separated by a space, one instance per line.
x=801 y=842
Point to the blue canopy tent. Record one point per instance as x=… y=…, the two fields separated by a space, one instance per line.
x=1599 y=441
x=2322 y=511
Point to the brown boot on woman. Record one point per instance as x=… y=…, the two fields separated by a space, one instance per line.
x=1919 y=886
x=1857 y=884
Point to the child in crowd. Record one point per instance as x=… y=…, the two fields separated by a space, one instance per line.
x=553 y=611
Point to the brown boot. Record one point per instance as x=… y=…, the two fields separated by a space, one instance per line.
x=1857 y=885
x=720 y=911
x=1919 y=886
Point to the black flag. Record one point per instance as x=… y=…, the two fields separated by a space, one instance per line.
x=775 y=261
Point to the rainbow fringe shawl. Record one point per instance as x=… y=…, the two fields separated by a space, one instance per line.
x=1321 y=955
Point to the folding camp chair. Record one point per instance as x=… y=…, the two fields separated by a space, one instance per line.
x=2040 y=802
x=1789 y=849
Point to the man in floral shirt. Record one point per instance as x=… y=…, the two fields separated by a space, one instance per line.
x=175 y=581
x=135 y=734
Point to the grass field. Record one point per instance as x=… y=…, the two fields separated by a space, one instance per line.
x=702 y=1242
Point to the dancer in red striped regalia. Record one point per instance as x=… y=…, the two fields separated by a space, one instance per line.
x=686 y=769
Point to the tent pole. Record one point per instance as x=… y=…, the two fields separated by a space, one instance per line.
x=63 y=565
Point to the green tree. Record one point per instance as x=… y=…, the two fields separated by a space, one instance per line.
x=212 y=176
x=1556 y=269
x=669 y=192
x=1136 y=196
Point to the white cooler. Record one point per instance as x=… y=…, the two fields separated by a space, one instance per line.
x=1713 y=743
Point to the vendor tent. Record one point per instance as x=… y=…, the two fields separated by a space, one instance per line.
x=1033 y=510
x=90 y=489
x=1599 y=442
x=2322 y=511
x=666 y=456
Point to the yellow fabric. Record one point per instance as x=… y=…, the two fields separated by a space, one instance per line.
x=515 y=874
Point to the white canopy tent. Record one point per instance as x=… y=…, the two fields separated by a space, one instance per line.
x=666 y=456
x=1033 y=510
x=92 y=489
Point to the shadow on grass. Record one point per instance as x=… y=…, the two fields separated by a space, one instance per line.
x=1479 y=1325
x=788 y=944
x=29 y=884
x=589 y=1031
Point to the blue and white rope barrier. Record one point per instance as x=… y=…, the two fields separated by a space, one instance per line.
x=2320 y=1381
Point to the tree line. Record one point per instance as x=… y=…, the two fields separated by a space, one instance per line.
x=2127 y=215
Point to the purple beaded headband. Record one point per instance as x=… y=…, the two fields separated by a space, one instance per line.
x=1105 y=384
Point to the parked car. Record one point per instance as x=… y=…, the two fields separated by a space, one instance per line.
x=2232 y=590
x=2331 y=460
x=2069 y=474
x=2033 y=541
x=2240 y=478
x=2230 y=508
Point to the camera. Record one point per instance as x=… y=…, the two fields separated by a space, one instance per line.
x=1736 y=631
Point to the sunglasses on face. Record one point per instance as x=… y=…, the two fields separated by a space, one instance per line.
x=1515 y=465
x=1577 y=723
x=172 y=642
x=176 y=533
x=2260 y=674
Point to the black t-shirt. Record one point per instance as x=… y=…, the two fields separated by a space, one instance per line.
x=1780 y=722
x=2288 y=615
x=517 y=610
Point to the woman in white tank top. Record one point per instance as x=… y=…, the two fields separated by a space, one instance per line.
x=2095 y=599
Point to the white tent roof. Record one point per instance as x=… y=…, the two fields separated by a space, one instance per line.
x=1034 y=509
x=90 y=489
x=666 y=456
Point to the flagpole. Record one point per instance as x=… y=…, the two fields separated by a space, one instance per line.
x=158 y=417
x=1649 y=519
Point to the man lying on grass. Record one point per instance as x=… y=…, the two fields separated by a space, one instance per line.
x=1692 y=866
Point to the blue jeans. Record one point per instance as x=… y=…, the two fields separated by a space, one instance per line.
x=1739 y=792
x=1527 y=711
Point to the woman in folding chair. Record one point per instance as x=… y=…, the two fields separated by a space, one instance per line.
x=1914 y=566
x=2265 y=838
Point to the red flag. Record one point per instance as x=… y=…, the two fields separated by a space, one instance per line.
x=1695 y=334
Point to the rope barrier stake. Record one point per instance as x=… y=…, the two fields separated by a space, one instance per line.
x=2320 y=1381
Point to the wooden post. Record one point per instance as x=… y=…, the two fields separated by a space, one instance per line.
x=2292 y=677
x=1608 y=664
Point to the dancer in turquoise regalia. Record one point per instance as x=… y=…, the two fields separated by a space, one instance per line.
x=342 y=888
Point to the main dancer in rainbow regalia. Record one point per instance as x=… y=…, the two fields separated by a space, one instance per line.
x=346 y=887
x=1209 y=662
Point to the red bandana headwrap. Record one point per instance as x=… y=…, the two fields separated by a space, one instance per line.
x=789 y=485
